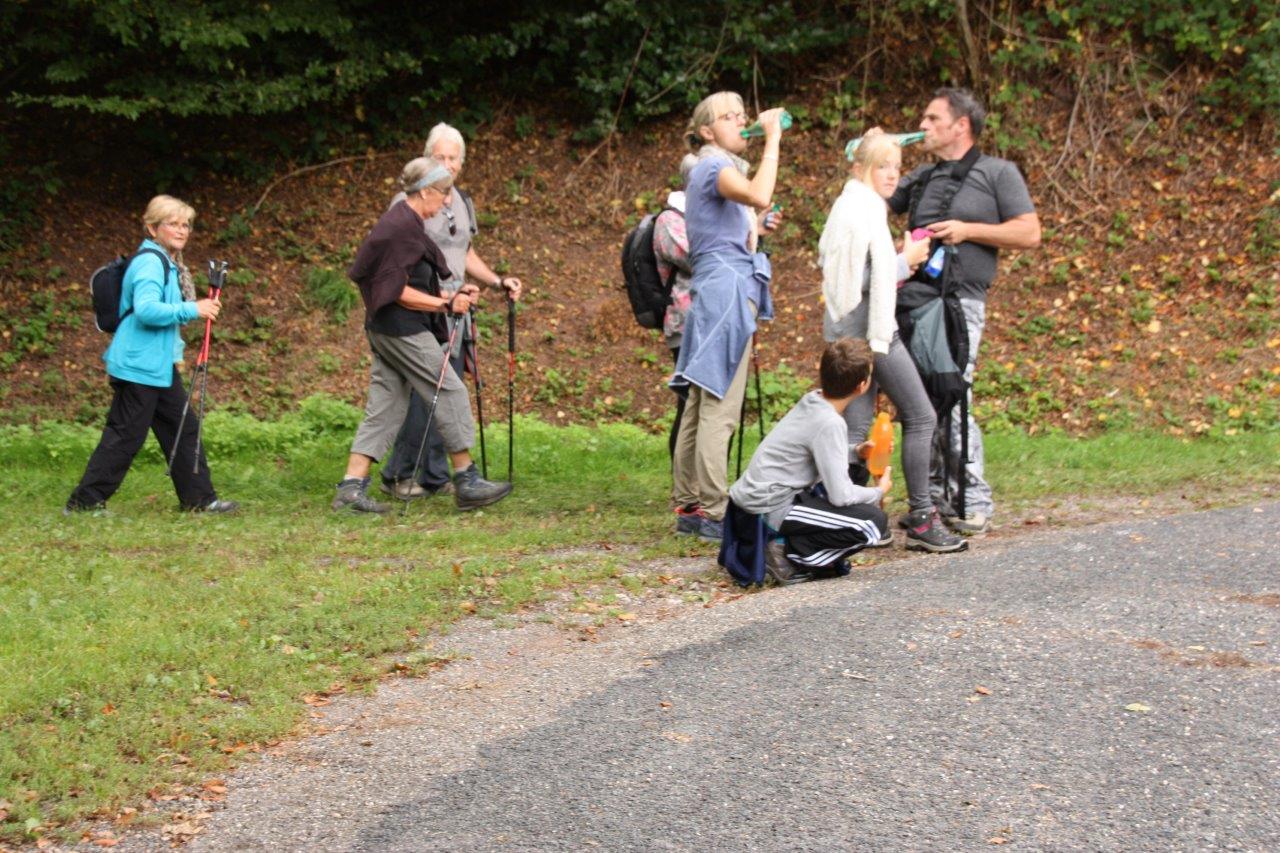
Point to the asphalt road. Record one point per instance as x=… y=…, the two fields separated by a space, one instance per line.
x=1114 y=687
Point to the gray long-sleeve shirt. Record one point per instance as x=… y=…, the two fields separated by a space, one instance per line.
x=809 y=445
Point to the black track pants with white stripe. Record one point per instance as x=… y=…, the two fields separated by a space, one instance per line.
x=819 y=534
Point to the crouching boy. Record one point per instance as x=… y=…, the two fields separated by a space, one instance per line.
x=796 y=502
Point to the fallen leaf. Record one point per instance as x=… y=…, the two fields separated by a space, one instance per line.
x=626 y=617
x=182 y=829
x=106 y=841
x=467 y=607
x=984 y=691
x=664 y=704
x=1137 y=708
x=678 y=737
x=108 y=709
x=997 y=840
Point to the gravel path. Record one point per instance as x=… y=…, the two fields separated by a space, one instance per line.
x=1113 y=687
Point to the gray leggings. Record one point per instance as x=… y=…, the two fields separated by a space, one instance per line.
x=896 y=374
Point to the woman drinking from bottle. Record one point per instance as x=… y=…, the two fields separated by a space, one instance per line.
x=860 y=276
x=142 y=366
x=724 y=210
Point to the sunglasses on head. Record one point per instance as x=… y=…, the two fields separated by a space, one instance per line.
x=453 y=225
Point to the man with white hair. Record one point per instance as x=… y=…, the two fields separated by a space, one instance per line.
x=453 y=230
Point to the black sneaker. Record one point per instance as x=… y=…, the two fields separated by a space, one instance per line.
x=883 y=542
x=353 y=495
x=98 y=510
x=925 y=532
x=471 y=491
x=217 y=506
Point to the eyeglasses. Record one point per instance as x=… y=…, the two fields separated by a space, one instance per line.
x=177 y=226
x=736 y=116
x=453 y=225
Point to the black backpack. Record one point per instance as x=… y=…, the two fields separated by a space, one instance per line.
x=649 y=294
x=106 y=286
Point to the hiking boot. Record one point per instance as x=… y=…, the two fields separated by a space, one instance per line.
x=217 y=506
x=710 y=530
x=688 y=521
x=970 y=525
x=778 y=567
x=925 y=532
x=352 y=495
x=472 y=491
x=405 y=490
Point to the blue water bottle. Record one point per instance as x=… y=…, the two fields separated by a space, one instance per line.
x=933 y=269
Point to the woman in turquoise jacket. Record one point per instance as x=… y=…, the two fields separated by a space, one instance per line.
x=142 y=365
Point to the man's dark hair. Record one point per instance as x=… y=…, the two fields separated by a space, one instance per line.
x=963 y=103
x=846 y=364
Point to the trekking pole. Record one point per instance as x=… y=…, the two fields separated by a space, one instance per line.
x=435 y=398
x=737 y=434
x=469 y=349
x=511 y=387
x=755 y=366
x=200 y=375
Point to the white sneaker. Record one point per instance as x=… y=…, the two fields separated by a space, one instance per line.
x=970 y=525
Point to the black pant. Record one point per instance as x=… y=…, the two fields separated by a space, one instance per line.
x=820 y=534
x=434 y=472
x=135 y=409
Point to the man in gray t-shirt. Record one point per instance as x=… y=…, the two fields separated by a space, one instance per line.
x=991 y=210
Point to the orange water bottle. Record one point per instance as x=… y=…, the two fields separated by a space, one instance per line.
x=881 y=439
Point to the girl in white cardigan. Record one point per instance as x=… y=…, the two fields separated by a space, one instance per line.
x=860 y=276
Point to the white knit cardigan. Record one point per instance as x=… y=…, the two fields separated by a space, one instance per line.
x=858 y=225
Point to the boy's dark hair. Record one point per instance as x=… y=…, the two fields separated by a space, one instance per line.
x=846 y=364
x=964 y=104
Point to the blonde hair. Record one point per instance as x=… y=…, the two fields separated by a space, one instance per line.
x=162 y=208
x=427 y=169
x=707 y=111
x=445 y=132
x=873 y=153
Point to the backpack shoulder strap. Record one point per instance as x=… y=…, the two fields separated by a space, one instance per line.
x=163 y=260
x=471 y=209
x=957 y=179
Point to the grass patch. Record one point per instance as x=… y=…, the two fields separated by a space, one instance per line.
x=149 y=647
x=331 y=291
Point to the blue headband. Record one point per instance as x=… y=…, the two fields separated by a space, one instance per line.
x=436 y=174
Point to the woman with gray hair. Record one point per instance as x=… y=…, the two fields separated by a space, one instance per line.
x=453 y=228
x=398 y=270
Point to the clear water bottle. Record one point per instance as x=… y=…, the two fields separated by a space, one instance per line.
x=903 y=140
x=784 y=121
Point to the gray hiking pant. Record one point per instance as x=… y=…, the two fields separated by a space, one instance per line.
x=946 y=445
x=400 y=364
x=895 y=374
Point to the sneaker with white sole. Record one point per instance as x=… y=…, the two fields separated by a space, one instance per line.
x=970 y=525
